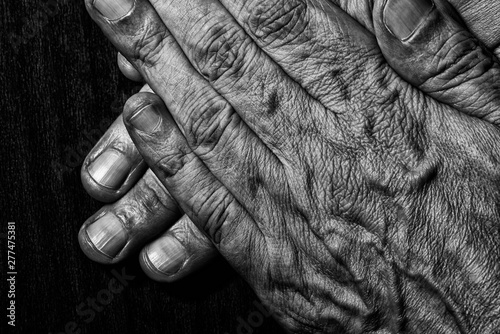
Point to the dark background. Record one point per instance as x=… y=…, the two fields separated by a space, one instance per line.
x=60 y=86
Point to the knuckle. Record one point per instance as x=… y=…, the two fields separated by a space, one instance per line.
x=147 y=45
x=222 y=213
x=139 y=101
x=352 y=75
x=278 y=20
x=144 y=202
x=461 y=58
x=153 y=197
x=220 y=51
x=187 y=233
x=215 y=122
x=171 y=162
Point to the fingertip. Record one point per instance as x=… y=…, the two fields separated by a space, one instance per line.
x=123 y=228
x=164 y=259
x=144 y=115
x=110 y=10
x=403 y=17
x=113 y=165
x=428 y=45
x=137 y=102
x=95 y=190
x=107 y=194
x=414 y=36
x=178 y=253
x=89 y=247
x=127 y=69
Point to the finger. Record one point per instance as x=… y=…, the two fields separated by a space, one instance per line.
x=114 y=165
x=147 y=210
x=182 y=250
x=238 y=69
x=480 y=16
x=208 y=122
x=128 y=69
x=317 y=44
x=265 y=98
x=278 y=26
x=214 y=210
x=483 y=20
x=125 y=226
x=434 y=52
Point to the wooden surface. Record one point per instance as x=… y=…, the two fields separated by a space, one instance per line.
x=59 y=80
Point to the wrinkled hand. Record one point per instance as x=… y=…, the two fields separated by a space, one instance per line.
x=145 y=209
x=347 y=198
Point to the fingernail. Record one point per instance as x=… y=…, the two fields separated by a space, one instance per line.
x=167 y=255
x=110 y=169
x=113 y=9
x=146 y=119
x=107 y=235
x=403 y=17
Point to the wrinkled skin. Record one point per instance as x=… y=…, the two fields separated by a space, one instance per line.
x=350 y=201
x=148 y=210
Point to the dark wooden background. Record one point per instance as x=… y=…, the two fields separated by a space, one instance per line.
x=58 y=81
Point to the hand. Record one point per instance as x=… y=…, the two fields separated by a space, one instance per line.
x=189 y=249
x=144 y=211
x=378 y=181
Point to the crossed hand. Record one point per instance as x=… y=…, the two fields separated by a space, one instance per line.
x=343 y=157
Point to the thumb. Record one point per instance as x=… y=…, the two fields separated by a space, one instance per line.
x=429 y=46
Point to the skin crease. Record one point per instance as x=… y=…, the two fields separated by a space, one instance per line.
x=349 y=200
x=480 y=18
